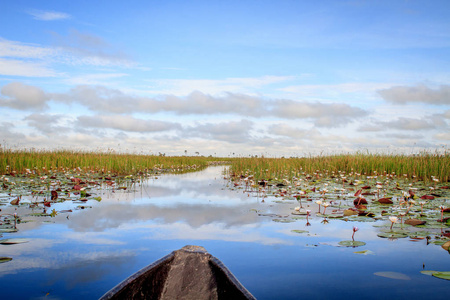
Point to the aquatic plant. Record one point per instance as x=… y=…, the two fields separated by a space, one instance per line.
x=393 y=220
x=426 y=166
x=355 y=229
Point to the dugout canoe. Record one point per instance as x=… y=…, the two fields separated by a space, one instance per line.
x=188 y=273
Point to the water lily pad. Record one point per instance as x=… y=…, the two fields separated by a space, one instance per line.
x=5 y=259
x=349 y=212
x=282 y=220
x=296 y=212
x=365 y=252
x=13 y=241
x=442 y=275
x=393 y=275
x=428 y=272
x=351 y=243
x=446 y=246
x=8 y=229
x=419 y=234
x=299 y=231
x=392 y=235
x=415 y=222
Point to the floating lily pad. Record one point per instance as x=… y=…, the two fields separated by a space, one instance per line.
x=393 y=275
x=349 y=212
x=428 y=272
x=438 y=274
x=283 y=220
x=432 y=226
x=446 y=246
x=13 y=241
x=392 y=235
x=299 y=231
x=419 y=234
x=442 y=275
x=365 y=252
x=8 y=229
x=415 y=222
x=299 y=212
x=439 y=242
x=351 y=243
x=5 y=259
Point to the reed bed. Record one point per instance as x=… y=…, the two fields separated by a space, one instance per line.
x=41 y=161
x=424 y=166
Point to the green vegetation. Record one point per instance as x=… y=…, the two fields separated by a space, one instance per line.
x=42 y=161
x=424 y=166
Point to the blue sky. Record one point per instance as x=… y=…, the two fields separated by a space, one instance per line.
x=220 y=77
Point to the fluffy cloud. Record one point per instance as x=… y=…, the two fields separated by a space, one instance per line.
x=46 y=123
x=410 y=124
x=232 y=132
x=103 y=99
x=419 y=93
x=325 y=115
x=287 y=130
x=126 y=123
x=23 y=97
x=7 y=133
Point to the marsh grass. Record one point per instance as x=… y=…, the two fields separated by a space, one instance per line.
x=424 y=166
x=44 y=161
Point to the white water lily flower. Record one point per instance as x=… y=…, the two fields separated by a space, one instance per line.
x=393 y=219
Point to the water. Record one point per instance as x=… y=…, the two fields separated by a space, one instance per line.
x=84 y=253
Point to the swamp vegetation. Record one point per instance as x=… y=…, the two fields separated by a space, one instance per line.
x=386 y=197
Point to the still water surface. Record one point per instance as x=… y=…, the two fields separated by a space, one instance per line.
x=82 y=254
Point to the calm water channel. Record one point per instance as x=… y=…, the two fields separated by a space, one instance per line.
x=82 y=254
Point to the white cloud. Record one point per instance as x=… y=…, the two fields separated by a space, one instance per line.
x=409 y=124
x=81 y=48
x=288 y=131
x=42 y=15
x=22 y=50
x=419 y=94
x=232 y=131
x=46 y=123
x=443 y=136
x=103 y=99
x=328 y=90
x=11 y=67
x=126 y=123
x=324 y=114
x=23 y=97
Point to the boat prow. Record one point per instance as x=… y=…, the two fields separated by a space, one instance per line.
x=188 y=273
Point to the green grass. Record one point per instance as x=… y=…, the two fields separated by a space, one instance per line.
x=44 y=161
x=422 y=167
